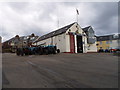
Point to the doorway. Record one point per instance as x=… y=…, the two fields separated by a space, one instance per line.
x=79 y=44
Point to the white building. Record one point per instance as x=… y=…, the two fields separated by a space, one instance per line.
x=71 y=38
x=91 y=39
x=115 y=42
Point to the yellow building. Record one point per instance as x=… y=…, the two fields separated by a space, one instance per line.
x=103 y=44
x=108 y=42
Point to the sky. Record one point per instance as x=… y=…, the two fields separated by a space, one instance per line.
x=24 y=18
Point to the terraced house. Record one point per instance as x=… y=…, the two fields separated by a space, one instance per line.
x=71 y=39
x=18 y=41
x=108 y=41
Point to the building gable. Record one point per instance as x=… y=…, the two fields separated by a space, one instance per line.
x=75 y=29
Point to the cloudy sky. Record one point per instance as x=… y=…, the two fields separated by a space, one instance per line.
x=24 y=18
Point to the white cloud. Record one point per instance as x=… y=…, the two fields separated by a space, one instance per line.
x=32 y=17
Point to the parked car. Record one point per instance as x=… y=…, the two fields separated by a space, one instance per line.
x=107 y=50
x=113 y=50
x=101 y=50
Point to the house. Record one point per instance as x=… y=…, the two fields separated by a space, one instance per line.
x=6 y=44
x=91 y=39
x=18 y=42
x=71 y=39
x=23 y=41
x=108 y=41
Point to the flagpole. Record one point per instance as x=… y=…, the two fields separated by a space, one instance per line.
x=77 y=15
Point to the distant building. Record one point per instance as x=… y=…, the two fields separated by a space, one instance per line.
x=108 y=41
x=18 y=42
x=71 y=38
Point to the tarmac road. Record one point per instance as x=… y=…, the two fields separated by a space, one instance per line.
x=92 y=70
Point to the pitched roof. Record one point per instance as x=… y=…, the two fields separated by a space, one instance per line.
x=107 y=37
x=86 y=29
x=9 y=40
x=21 y=38
x=56 y=32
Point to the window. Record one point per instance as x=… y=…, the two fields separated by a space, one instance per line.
x=107 y=42
x=32 y=38
x=110 y=42
x=100 y=42
x=25 y=38
x=91 y=33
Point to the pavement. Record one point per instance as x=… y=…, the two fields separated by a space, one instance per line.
x=91 y=70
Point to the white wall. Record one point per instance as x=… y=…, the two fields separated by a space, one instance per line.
x=92 y=47
x=67 y=43
x=59 y=41
x=47 y=41
x=73 y=28
x=114 y=44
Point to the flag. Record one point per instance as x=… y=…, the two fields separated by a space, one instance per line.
x=77 y=11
